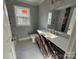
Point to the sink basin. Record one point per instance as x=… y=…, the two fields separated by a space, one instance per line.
x=47 y=34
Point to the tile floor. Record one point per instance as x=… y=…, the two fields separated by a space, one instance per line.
x=27 y=50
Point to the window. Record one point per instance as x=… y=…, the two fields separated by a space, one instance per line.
x=49 y=18
x=22 y=15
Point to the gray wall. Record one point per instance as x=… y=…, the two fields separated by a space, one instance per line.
x=22 y=31
x=43 y=13
x=72 y=43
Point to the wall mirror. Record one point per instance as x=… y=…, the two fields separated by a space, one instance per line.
x=61 y=21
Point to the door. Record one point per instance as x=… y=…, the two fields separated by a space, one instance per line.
x=8 y=45
x=72 y=22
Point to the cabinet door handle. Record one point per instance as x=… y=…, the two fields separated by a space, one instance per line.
x=13 y=39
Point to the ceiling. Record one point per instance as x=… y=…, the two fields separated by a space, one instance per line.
x=32 y=2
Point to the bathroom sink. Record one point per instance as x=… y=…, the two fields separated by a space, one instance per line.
x=47 y=34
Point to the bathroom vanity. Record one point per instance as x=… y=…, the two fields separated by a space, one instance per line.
x=59 y=44
x=59 y=41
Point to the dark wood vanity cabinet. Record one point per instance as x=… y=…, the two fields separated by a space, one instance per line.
x=48 y=49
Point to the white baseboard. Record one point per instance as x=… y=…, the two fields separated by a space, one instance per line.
x=26 y=38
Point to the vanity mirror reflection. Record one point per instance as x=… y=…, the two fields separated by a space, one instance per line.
x=61 y=21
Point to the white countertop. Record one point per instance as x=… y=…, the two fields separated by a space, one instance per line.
x=59 y=41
